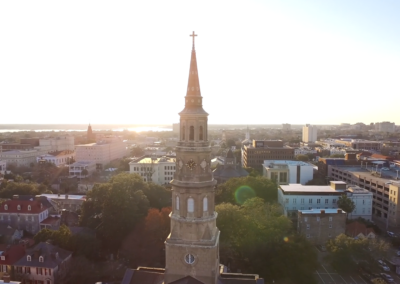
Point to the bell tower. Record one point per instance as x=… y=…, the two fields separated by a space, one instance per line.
x=192 y=248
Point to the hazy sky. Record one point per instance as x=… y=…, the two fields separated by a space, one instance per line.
x=266 y=62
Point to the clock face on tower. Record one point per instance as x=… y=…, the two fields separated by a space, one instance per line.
x=191 y=164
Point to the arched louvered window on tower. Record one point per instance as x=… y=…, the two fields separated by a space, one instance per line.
x=191 y=133
x=177 y=202
x=190 y=207
x=205 y=206
x=183 y=133
x=201 y=133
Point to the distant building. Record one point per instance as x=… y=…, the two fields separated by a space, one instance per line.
x=385 y=126
x=57 y=144
x=58 y=158
x=230 y=169
x=105 y=150
x=321 y=225
x=3 y=167
x=309 y=133
x=158 y=170
x=304 y=151
x=44 y=263
x=294 y=197
x=90 y=136
x=360 y=144
x=362 y=199
x=70 y=202
x=21 y=157
x=76 y=169
x=254 y=155
x=285 y=172
x=360 y=230
x=25 y=212
x=384 y=185
x=9 y=255
x=286 y=127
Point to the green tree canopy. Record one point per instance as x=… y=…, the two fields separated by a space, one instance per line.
x=346 y=204
x=255 y=231
x=302 y=157
x=20 y=188
x=238 y=190
x=114 y=208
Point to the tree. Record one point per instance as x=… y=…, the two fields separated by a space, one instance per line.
x=346 y=204
x=137 y=151
x=252 y=172
x=238 y=190
x=253 y=232
x=15 y=188
x=302 y=157
x=114 y=208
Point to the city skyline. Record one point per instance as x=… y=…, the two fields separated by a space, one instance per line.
x=260 y=63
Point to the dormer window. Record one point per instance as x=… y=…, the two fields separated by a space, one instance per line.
x=29 y=208
x=41 y=205
x=19 y=207
x=6 y=207
x=41 y=259
x=29 y=258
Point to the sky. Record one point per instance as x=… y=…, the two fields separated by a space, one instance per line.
x=259 y=62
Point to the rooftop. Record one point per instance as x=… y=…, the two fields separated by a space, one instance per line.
x=149 y=160
x=63 y=196
x=318 y=211
x=286 y=162
x=296 y=187
x=383 y=176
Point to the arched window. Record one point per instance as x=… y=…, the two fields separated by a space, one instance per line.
x=191 y=134
x=41 y=259
x=205 y=204
x=6 y=207
x=28 y=258
x=177 y=202
x=190 y=205
x=19 y=207
x=201 y=133
x=183 y=133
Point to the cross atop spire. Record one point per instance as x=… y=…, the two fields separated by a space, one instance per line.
x=193 y=35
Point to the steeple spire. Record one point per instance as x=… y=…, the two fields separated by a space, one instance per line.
x=193 y=82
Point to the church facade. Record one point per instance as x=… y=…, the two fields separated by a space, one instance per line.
x=192 y=248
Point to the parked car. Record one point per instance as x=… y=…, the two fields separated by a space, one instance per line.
x=387 y=277
x=390 y=234
x=381 y=262
x=384 y=268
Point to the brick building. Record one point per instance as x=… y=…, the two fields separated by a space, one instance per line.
x=321 y=225
x=255 y=154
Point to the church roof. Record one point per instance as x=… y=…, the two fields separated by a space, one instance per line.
x=187 y=280
x=143 y=275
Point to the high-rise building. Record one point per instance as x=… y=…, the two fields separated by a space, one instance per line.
x=192 y=248
x=309 y=133
x=385 y=126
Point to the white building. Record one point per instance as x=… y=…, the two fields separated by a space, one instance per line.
x=304 y=151
x=362 y=198
x=3 y=167
x=59 y=158
x=76 y=168
x=286 y=172
x=57 y=144
x=105 y=150
x=309 y=133
x=294 y=197
x=385 y=126
x=158 y=170
x=21 y=157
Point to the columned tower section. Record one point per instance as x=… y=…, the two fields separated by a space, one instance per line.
x=192 y=247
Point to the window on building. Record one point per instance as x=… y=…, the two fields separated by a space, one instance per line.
x=310 y=200
x=308 y=226
x=318 y=219
x=201 y=133
x=177 y=202
x=326 y=201
x=28 y=258
x=183 y=133
x=330 y=226
x=205 y=204
x=18 y=207
x=190 y=205
x=330 y=219
x=334 y=200
x=283 y=177
x=41 y=258
x=294 y=200
x=191 y=133
x=302 y=201
x=5 y=207
x=287 y=200
x=305 y=219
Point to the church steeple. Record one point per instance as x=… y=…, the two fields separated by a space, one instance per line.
x=192 y=247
